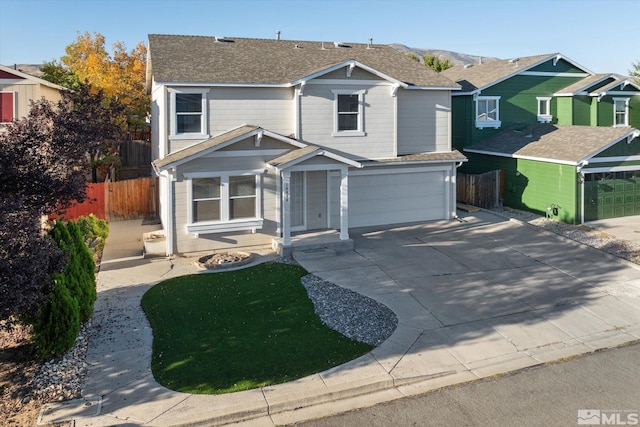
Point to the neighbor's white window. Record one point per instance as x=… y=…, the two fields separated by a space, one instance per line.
x=544 y=109
x=189 y=113
x=349 y=113
x=620 y=111
x=488 y=112
x=224 y=198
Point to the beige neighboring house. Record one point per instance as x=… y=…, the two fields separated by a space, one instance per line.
x=18 y=89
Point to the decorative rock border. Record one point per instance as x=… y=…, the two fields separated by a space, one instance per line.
x=203 y=263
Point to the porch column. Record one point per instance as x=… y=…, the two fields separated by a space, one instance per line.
x=286 y=211
x=344 y=203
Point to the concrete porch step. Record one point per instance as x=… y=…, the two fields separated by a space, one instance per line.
x=313 y=253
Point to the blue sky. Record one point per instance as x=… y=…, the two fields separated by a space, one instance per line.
x=597 y=34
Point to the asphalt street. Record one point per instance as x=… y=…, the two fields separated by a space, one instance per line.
x=601 y=388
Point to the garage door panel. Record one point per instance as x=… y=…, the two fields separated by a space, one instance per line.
x=615 y=197
x=396 y=198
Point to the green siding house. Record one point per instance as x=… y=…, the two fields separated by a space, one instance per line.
x=565 y=137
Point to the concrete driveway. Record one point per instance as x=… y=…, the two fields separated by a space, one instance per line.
x=625 y=228
x=486 y=295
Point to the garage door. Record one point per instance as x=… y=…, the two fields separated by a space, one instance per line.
x=611 y=195
x=391 y=198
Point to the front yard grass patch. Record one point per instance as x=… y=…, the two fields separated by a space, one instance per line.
x=225 y=332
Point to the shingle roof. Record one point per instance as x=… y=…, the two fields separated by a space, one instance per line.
x=294 y=155
x=199 y=59
x=196 y=149
x=563 y=144
x=584 y=84
x=479 y=76
x=448 y=156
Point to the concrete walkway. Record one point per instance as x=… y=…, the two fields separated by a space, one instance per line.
x=474 y=298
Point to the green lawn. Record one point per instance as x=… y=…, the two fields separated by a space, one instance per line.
x=226 y=332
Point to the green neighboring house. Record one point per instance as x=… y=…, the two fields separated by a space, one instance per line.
x=566 y=138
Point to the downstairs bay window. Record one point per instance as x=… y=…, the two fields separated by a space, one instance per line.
x=224 y=203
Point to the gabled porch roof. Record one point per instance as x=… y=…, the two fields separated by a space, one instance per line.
x=218 y=142
x=300 y=155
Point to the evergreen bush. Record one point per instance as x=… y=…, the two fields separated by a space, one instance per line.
x=56 y=328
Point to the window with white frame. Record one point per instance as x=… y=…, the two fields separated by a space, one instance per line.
x=189 y=113
x=620 y=111
x=488 y=112
x=544 y=109
x=7 y=107
x=224 y=198
x=349 y=115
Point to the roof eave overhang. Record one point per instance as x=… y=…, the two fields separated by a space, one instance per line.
x=231 y=141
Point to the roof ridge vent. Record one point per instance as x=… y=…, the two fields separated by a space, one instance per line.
x=219 y=39
x=468 y=65
x=340 y=44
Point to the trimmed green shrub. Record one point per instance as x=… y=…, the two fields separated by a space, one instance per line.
x=56 y=328
x=92 y=227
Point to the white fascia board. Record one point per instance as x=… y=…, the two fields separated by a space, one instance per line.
x=434 y=88
x=413 y=162
x=221 y=84
x=628 y=136
x=582 y=90
x=345 y=64
x=231 y=142
x=610 y=169
x=318 y=152
x=284 y=139
x=575 y=64
x=516 y=156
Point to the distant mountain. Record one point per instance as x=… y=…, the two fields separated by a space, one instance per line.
x=456 y=58
x=31 y=69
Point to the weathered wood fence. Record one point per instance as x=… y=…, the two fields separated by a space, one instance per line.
x=481 y=190
x=120 y=200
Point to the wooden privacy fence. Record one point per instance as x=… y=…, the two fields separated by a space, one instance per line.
x=481 y=190
x=115 y=201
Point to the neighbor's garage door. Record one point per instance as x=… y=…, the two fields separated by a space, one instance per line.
x=390 y=198
x=611 y=195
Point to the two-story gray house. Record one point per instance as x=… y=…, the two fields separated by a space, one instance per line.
x=256 y=141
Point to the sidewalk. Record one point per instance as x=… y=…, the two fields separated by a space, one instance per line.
x=474 y=299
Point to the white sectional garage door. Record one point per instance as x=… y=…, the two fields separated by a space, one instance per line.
x=390 y=198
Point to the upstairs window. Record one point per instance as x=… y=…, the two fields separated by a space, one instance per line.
x=189 y=108
x=544 y=109
x=7 y=107
x=348 y=113
x=620 y=111
x=488 y=112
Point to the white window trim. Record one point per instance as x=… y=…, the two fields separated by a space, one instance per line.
x=13 y=113
x=360 y=131
x=544 y=118
x=626 y=111
x=173 y=121
x=488 y=123
x=225 y=224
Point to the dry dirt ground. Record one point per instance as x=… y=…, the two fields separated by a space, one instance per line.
x=18 y=366
x=21 y=399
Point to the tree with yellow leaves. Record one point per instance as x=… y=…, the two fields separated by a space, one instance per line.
x=121 y=77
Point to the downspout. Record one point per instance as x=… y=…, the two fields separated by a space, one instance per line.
x=582 y=164
x=168 y=232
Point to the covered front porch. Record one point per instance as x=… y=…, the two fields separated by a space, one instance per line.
x=296 y=194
